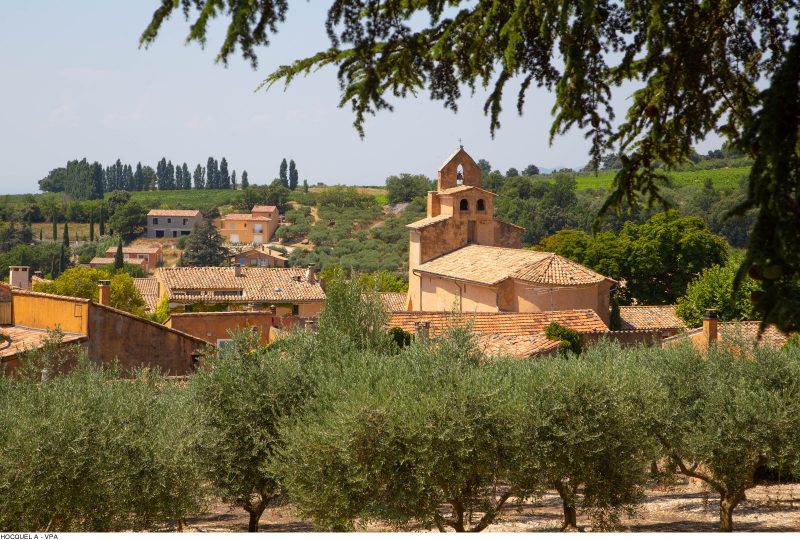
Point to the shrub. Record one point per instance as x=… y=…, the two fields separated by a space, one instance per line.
x=569 y=340
x=89 y=452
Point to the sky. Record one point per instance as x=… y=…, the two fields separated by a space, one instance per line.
x=76 y=84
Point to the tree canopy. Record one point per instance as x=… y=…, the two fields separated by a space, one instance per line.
x=696 y=68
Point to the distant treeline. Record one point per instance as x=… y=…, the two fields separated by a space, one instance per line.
x=84 y=180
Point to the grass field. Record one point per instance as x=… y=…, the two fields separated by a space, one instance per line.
x=722 y=178
x=77 y=231
x=187 y=198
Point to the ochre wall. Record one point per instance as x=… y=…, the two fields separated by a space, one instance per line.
x=218 y=325
x=136 y=342
x=448 y=172
x=440 y=294
x=531 y=297
x=245 y=229
x=311 y=309
x=49 y=312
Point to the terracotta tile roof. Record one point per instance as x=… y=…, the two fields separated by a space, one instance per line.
x=263 y=285
x=36 y=279
x=650 y=318
x=490 y=265
x=134 y=250
x=460 y=189
x=747 y=331
x=26 y=339
x=519 y=324
x=148 y=288
x=516 y=346
x=427 y=221
x=248 y=249
x=110 y=260
x=244 y=217
x=173 y=213
x=392 y=301
x=264 y=208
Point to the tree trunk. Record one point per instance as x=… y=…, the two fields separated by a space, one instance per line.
x=726 y=507
x=255 y=516
x=567 y=495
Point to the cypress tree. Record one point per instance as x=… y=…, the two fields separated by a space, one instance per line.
x=233 y=179
x=211 y=177
x=224 y=177
x=187 y=177
x=305 y=186
x=199 y=177
x=282 y=174
x=245 y=183
x=102 y=223
x=55 y=228
x=615 y=322
x=41 y=235
x=66 y=234
x=293 y=176
x=91 y=225
x=119 y=258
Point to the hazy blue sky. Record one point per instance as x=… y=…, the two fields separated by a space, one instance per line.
x=75 y=84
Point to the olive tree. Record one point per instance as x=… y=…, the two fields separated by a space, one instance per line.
x=426 y=437
x=87 y=451
x=724 y=414
x=241 y=396
x=589 y=421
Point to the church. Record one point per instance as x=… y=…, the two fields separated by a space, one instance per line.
x=462 y=258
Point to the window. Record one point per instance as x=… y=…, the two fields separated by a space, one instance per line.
x=232 y=226
x=223 y=344
x=295 y=310
x=464 y=205
x=186 y=233
x=155 y=221
x=480 y=206
x=169 y=220
x=242 y=261
x=258 y=228
x=185 y=221
x=159 y=234
x=174 y=234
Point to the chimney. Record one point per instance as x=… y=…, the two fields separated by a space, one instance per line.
x=422 y=329
x=710 y=322
x=311 y=275
x=237 y=270
x=20 y=276
x=105 y=292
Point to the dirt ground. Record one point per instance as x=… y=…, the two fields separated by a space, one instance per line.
x=169 y=251
x=681 y=508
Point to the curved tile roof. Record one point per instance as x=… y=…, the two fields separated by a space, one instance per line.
x=490 y=265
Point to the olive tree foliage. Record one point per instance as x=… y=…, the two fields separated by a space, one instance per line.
x=241 y=396
x=695 y=66
x=87 y=451
x=399 y=439
x=725 y=413
x=590 y=423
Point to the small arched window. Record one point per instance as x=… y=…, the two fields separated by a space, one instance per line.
x=464 y=205
x=460 y=175
x=480 y=206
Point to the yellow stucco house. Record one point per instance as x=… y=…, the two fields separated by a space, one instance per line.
x=462 y=257
x=255 y=228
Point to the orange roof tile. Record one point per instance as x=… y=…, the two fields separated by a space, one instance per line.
x=26 y=339
x=392 y=301
x=650 y=318
x=427 y=221
x=148 y=288
x=747 y=331
x=580 y=320
x=110 y=260
x=460 y=189
x=264 y=208
x=134 y=250
x=516 y=346
x=256 y=284
x=173 y=213
x=244 y=217
x=490 y=265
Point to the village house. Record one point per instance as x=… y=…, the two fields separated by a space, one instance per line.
x=107 y=334
x=520 y=335
x=735 y=334
x=150 y=254
x=293 y=291
x=462 y=257
x=259 y=256
x=105 y=261
x=171 y=223
x=255 y=228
